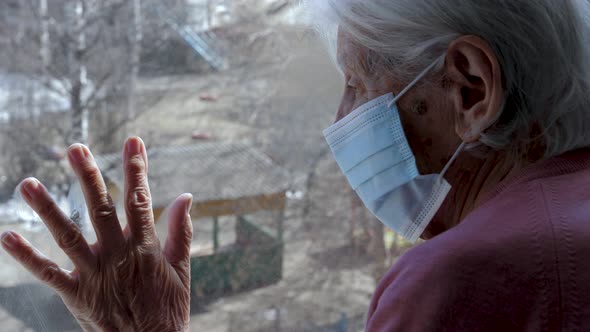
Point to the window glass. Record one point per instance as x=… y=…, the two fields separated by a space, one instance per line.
x=230 y=98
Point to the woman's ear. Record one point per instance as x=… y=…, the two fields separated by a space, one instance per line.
x=474 y=81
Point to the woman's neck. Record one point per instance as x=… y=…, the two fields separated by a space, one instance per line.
x=472 y=179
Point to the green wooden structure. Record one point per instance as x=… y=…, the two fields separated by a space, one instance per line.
x=256 y=263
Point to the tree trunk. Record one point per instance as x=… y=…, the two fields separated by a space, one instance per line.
x=78 y=80
x=135 y=58
x=45 y=50
x=77 y=109
x=20 y=30
x=44 y=54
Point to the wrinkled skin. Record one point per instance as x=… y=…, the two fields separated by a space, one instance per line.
x=125 y=281
x=439 y=114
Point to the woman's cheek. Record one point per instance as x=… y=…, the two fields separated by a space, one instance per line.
x=359 y=101
x=374 y=94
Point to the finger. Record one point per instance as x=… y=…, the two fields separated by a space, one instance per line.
x=138 y=200
x=65 y=232
x=180 y=235
x=40 y=266
x=100 y=204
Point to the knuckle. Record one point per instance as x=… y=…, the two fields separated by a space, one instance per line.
x=48 y=273
x=139 y=200
x=70 y=239
x=136 y=165
x=103 y=211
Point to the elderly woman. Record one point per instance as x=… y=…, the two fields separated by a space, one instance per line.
x=463 y=122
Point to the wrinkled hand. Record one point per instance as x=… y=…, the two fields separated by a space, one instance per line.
x=125 y=281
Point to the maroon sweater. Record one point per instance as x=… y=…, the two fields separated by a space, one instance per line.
x=520 y=262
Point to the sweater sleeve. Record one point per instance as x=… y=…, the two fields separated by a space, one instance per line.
x=410 y=298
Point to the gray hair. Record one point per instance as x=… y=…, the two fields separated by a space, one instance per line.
x=543 y=47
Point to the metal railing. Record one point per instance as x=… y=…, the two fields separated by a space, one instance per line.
x=203 y=43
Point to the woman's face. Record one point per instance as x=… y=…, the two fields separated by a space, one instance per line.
x=437 y=117
x=426 y=118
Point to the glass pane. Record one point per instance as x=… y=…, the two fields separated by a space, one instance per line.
x=231 y=98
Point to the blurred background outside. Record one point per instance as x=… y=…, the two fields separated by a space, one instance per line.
x=230 y=98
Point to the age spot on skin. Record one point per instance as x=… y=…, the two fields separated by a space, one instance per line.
x=419 y=107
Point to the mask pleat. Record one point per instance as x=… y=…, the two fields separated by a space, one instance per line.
x=374 y=165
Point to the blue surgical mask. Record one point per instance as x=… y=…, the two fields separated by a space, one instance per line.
x=372 y=151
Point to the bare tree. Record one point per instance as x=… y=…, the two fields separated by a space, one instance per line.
x=135 y=56
x=83 y=53
x=69 y=62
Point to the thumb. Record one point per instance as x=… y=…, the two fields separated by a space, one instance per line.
x=180 y=234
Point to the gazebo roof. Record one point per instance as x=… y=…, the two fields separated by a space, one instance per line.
x=210 y=171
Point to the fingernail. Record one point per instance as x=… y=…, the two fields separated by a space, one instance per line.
x=189 y=203
x=134 y=146
x=31 y=187
x=8 y=239
x=78 y=153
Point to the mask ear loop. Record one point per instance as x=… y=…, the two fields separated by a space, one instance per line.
x=416 y=80
x=448 y=165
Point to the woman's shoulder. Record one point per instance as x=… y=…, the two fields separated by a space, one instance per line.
x=543 y=190
x=546 y=202
x=491 y=269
